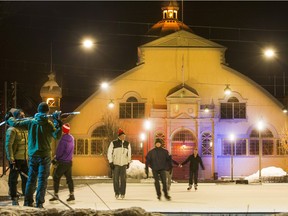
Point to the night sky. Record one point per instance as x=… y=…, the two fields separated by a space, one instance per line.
x=27 y=30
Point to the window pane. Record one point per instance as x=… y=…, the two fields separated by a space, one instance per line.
x=254 y=147
x=206 y=144
x=125 y=110
x=241 y=147
x=80 y=147
x=226 y=111
x=239 y=110
x=267 y=146
x=226 y=147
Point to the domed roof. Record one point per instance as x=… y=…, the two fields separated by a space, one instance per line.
x=170 y=23
x=51 y=88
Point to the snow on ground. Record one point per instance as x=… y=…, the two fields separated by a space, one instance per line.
x=267 y=172
x=98 y=199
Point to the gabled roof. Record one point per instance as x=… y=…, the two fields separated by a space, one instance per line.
x=183 y=39
x=183 y=91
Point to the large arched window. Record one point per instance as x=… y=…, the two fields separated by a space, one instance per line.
x=99 y=141
x=183 y=143
x=131 y=109
x=233 y=109
x=267 y=140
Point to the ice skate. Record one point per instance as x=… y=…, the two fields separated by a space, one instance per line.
x=71 y=198
x=195 y=187
x=54 y=199
x=189 y=188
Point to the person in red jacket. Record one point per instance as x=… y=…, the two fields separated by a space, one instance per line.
x=194 y=160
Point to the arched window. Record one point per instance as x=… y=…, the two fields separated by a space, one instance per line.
x=99 y=141
x=131 y=109
x=267 y=139
x=233 y=109
x=183 y=143
x=206 y=143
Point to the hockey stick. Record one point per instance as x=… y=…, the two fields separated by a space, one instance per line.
x=24 y=174
x=5 y=172
x=98 y=196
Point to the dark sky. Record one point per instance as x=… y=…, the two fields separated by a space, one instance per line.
x=28 y=28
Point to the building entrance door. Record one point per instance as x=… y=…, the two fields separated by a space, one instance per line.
x=183 y=144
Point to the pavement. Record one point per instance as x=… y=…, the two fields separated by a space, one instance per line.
x=209 y=199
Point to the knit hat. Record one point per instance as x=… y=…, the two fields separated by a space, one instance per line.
x=157 y=140
x=43 y=107
x=17 y=113
x=120 y=132
x=66 y=128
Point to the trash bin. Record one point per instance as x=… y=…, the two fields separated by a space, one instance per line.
x=215 y=176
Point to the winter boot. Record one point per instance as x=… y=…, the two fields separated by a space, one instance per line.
x=15 y=201
x=54 y=198
x=190 y=186
x=168 y=197
x=71 y=198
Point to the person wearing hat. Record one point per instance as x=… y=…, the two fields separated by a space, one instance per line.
x=158 y=159
x=119 y=157
x=16 y=153
x=63 y=163
x=41 y=132
x=195 y=160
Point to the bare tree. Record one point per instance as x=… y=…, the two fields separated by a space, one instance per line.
x=284 y=138
x=111 y=125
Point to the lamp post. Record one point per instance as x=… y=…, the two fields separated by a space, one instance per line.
x=233 y=140
x=147 y=126
x=142 y=139
x=269 y=53
x=260 y=126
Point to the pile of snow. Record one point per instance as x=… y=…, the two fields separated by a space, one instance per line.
x=136 y=170
x=267 y=172
x=20 y=210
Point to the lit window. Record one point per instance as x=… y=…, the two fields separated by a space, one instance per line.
x=206 y=140
x=267 y=142
x=233 y=109
x=131 y=109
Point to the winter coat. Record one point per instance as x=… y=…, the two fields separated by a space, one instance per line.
x=158 y=159
x=194 y=162
x=16 y=144
x=119 y=153
x=65 y=148
x=41 y=131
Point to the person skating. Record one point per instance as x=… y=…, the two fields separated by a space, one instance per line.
x=41 y=131
x=158 y=159
x=16 y=153
x=195 y=160
x=119 y=157
x=63 y=163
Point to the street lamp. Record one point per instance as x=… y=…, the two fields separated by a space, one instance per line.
x=260 y=126
x=233 y=141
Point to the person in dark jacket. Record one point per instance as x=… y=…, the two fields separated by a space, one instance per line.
x=63 y=163
x=119 y=157
x=158 y=159
x=41 y=131
x=169 y=171
x=16 y=153
x=194 y=160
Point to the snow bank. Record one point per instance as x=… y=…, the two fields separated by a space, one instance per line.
x=267 y=172
x=137 y=170
x=15 y=211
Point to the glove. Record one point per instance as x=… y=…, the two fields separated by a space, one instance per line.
x=54 y=162
x=8 y=115
x=127 y=166
x=56 y=115
x=12 y=165
x=111 y=166
x=57 y=123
